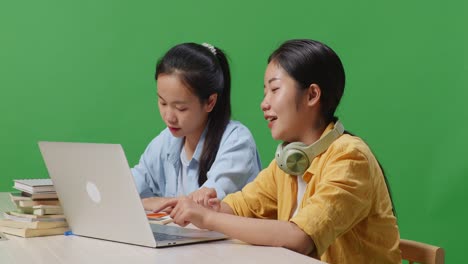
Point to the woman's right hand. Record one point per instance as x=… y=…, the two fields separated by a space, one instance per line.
x=166 y=204
x=157 y=204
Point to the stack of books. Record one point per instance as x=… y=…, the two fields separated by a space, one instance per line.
x=38 y=210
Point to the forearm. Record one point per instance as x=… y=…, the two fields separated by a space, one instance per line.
x=261 y=231
x=225 y=208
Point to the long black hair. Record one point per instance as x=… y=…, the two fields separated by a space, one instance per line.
x=205 y=70
x=312 y=62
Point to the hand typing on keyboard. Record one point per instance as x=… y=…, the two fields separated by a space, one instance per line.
x=187 y=211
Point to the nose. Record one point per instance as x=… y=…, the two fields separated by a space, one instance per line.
x=265 y=105
x=169 y=117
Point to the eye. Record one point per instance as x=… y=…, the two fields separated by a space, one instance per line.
x=273 y=89
x=162 y=103
x=181 y=109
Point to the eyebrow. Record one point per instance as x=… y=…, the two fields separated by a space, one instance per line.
x=274 y=79
x=175 y=102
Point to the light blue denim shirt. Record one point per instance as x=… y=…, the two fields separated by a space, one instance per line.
x=236 y=164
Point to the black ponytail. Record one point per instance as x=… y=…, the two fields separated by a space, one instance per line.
x=218 y=120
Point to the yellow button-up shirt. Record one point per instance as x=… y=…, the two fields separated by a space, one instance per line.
x=346 y=208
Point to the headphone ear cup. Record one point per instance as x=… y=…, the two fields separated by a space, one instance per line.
x=292 y=159
x=279 y=156
x=296 y=161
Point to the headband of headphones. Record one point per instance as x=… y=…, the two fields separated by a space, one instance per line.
x=294 y=158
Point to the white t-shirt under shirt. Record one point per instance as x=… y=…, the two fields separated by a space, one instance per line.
x=301 y=187
x=181 y=189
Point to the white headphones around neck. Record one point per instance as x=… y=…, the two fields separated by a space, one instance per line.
x=294 y=158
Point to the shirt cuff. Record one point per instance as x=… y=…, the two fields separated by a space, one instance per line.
x=319 y=230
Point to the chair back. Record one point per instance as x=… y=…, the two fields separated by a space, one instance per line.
x=417 y=252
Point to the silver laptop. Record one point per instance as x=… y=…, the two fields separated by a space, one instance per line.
x=100 y=200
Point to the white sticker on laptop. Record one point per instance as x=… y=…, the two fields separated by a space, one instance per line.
x=93 y=192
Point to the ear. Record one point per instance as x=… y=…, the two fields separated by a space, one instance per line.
x=211 y=102
x=313 y=95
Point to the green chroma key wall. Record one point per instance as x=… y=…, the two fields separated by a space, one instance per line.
x=83 y=71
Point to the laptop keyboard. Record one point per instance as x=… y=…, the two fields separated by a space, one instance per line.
x=164 y=236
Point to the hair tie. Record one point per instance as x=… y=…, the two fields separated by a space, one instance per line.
x=210 y=47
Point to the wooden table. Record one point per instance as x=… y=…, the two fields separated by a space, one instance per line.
x=76 y=249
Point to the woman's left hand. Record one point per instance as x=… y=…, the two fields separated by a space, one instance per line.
x=203 y=195
x=187 y=211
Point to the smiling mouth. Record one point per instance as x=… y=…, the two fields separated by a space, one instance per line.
x=271 y=119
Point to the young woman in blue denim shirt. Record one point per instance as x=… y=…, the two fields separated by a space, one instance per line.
x=201 y=149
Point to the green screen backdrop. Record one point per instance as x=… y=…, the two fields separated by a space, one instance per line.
x=83 y=71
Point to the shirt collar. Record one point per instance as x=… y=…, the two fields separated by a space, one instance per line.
x=178 y=144
x=313 y=167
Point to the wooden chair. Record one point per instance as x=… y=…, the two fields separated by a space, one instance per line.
x=417 y=252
